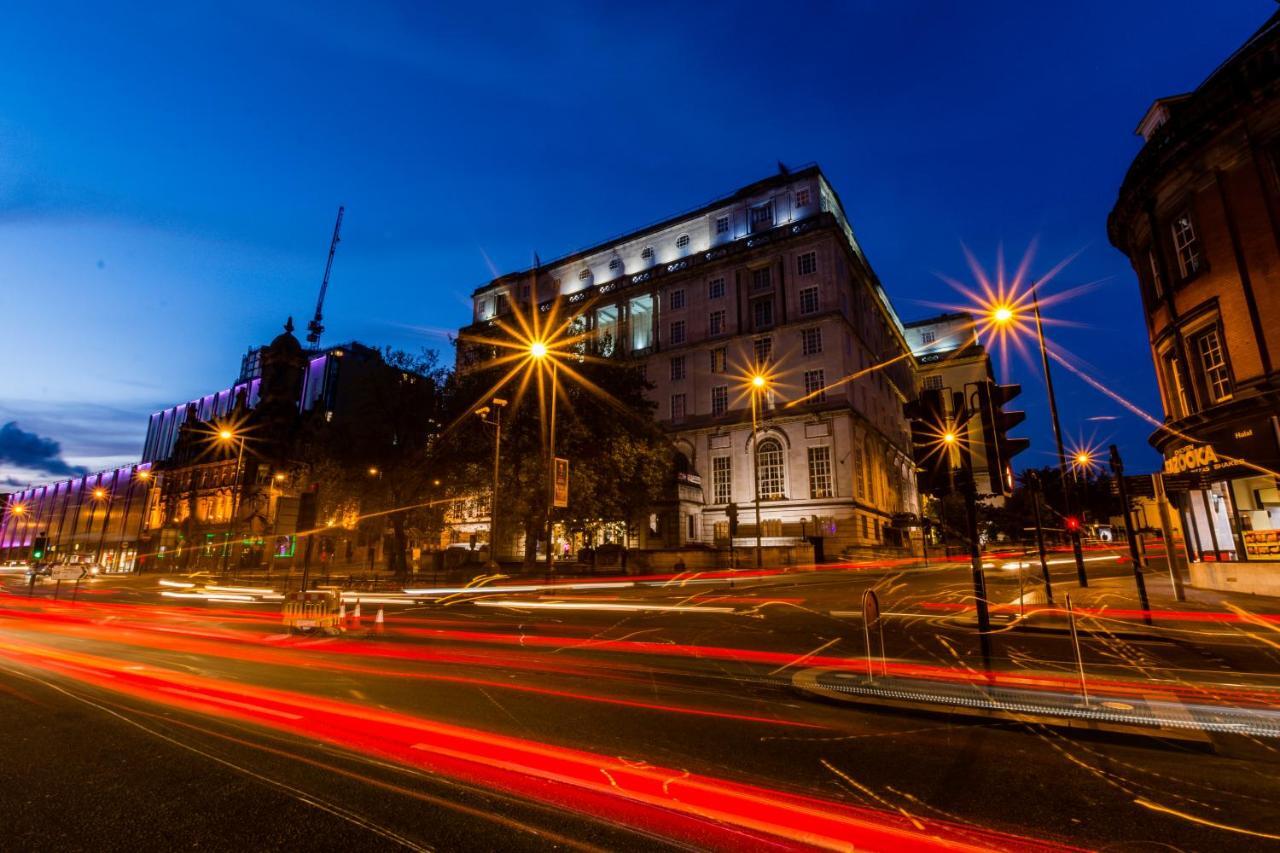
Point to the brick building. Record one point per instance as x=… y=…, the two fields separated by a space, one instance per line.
x=1198 y=215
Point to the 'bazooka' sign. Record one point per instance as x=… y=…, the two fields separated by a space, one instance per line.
x=1193 y=457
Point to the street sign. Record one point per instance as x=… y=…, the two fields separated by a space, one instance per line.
x=561 y=496
x=66 y=572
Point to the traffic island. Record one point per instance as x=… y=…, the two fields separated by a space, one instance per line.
x=1153 y=714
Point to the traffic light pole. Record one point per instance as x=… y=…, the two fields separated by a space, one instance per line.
x=1117 y=468
x=969 y=489
x=1076 y=549
x=1034 y=482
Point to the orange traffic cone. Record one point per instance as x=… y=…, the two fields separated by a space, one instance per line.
x=355 y=614
x=378 y=622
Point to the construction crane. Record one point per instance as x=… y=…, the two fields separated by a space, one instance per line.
x=316 y=327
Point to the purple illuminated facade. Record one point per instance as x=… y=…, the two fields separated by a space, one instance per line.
x=99 y=518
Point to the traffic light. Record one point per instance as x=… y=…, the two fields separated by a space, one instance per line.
x=996 y=423
x=39 y=547
x=930 y=447
x=732 y=511
x=1072 y=524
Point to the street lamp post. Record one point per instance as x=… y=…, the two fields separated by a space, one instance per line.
x=758 y=386
x=228 y=435
x=498 y=404
x=99 y=494
x=1057 y=432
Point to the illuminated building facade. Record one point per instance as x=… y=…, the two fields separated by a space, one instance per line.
x=99 y=518
x=1198 y=215
x=769 y=279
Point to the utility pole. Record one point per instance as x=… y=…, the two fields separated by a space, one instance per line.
x=1117 y=468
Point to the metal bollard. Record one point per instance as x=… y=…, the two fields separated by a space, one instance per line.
x=1075 y=642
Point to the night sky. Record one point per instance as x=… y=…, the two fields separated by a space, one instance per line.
x=169 y=176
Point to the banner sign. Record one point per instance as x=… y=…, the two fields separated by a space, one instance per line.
x=561 y=497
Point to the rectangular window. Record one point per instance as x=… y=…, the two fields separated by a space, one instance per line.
x=1157 y=285
x=815 y=384
x=715 y=288
x=807 y=264
x=860 y=472
x=1179 y=403
x=677 y=332
x=722 y=225
x=1213 y=362
x=721 y=480
x=675 y=299
x=810 y=341
x=761 y=279
x=820 y=472
x=762 y=313
x=763 y=350
x=762 y=217
x=1186 y=245
x=719 y=399
x=802 y=197
x=928 y=337
x=932 y=383
x=715 y=323
x=677 y=368
x=809 y=300
x=719 y=360
x=500 y=303
x=677 y=408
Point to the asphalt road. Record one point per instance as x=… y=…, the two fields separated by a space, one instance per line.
x=133 y=720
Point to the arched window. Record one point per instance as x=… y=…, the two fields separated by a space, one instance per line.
x=770 y=474
x=647 y=254
x=682 y=241
x=585 y=274
x=615 y=265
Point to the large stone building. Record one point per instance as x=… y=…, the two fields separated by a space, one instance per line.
x=772 y=279
x=1199 y=217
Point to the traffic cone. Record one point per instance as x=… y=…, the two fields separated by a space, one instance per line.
x=342 y=613
x=355 y=614
x=378 y=622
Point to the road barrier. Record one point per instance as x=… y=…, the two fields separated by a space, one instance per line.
x=314 y=610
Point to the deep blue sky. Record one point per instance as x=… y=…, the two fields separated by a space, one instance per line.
x=169 y=173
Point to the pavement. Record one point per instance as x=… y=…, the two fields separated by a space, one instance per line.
x=646 y=714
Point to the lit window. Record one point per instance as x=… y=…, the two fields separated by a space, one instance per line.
x=675 y=299
x=647 y=254
x=677 y=368
x=1214 y=364
x=809 y=300
x=762 y=313
x=932 y=383
x=715 y=288
x=719 y=399
x=761 y=279
x=763 y=349
x=719 y=360
x=811 y=341
x=584 y=275
x=721 y=479
x=770 y=470
x=820 y=472
x=615 y=265
x=807 y=264
x=677 y=408
x=1187 y=245
x=722 y=225
x=682 y=241
x=762 y=217
x=677 y=332
x=815 y=384
x=715 y=323
x=802 y=197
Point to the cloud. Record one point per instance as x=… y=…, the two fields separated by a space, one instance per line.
x=32 y=451
x=1103 y=418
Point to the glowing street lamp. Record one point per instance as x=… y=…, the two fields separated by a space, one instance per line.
x=228 y=435
x=759 y=384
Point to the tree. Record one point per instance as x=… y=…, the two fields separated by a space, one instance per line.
x=376 y=456
x=620 y=460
